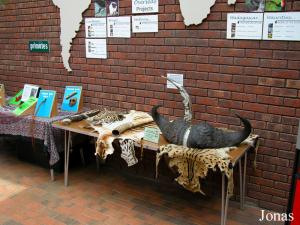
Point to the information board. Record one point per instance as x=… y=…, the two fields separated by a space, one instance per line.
x=95 y=27
x=119 y=27
x=282 y=26
x=244 y=26
x=145 y=24
x=96 y=48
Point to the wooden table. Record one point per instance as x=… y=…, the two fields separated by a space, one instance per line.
x=236 y=155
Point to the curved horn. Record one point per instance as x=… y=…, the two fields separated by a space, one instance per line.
x=186 y=100
x=204 y=135
x=173 y=131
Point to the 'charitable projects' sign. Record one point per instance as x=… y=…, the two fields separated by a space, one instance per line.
x=144 y=6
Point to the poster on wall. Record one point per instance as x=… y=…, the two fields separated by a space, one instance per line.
x=275 y=5
x=100 y=8
x=119 y=27
x=244 y=26
x=282 y=26
x=144 y=6
x=95 y=27
x=145 y=24
x=255 y=5
x=112 y=7
x=96 y=48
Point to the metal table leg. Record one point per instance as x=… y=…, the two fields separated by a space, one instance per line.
x=244 y=181
x=241 y=184
x=67 y=153
x=52 y=174
x=223 y=196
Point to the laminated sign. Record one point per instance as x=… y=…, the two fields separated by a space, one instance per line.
x=47 y=104
x=39 y=46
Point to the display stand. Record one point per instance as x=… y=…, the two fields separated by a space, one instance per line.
x=30 y=90
x=16 y=100
x=2 y=95
x=73 y=99
x=26 y=108
x=47 y=104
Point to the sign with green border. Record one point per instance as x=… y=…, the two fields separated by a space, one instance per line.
x=151 y=134
x=39 y=46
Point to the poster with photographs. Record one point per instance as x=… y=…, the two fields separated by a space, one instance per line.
x=145 y=24
x=244 y=26
x=255 y=5
x=95 y=27
x=96 y=48
x=119 y=27
x=275 y=5
x=112 y=7
x=100 y=8
x=284 y=26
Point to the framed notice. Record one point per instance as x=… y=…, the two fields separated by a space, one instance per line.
x=142 y=6
x=145 y=24
x=46 y=105
x=72 y=100
x=96 y=48
x=119 y=27
x=95 y=27
x=282 y=26
x=244 y=26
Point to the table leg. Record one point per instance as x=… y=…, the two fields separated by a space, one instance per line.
x=226 y=206
x=82 y=156
x=241 y=184
x=52 y=174
x=244 y=180
x=223 y=196
x=67 y=153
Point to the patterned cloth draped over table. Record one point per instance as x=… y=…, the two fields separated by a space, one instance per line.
x=39 y=128
x=193 y=164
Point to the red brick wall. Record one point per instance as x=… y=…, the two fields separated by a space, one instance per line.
x=256 y=79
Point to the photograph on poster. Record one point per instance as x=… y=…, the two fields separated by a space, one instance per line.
x=275 y=5
x=100 y=8
x=112 y=7
x=255 y=5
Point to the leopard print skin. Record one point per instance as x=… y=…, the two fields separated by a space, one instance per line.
x=105 y=116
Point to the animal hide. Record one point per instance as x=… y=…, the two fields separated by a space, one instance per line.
x=104 y=142
x=128 y=152
x=193 y=164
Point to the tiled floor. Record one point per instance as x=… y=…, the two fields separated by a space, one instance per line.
x=27 y=196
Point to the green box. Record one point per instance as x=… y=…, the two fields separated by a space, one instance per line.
x=39 y=46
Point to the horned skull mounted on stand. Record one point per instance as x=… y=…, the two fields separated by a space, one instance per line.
x=203 y=135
